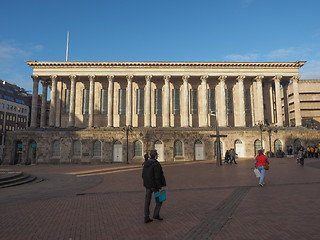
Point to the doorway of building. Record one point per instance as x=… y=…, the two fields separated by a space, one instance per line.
x=18 y=153
x=239 y=148
x=117 y=151
x=32 y=153
x=199 y=151
x=159 y=147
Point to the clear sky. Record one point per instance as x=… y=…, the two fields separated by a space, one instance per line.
x=154 y=30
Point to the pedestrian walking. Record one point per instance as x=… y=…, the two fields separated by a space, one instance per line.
x=316 y=152
x=153 y=181
x=301 y=156
x=260 y=162
x=227 y=157
x=146 y=157
x=233 y=156
x=308 y=151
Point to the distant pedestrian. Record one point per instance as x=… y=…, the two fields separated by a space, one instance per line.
x=233 y=156
x=301 y=156
x=153 y=181
x=146 y=157
x=316 y=152
x=259 y=163
x=227 y=157
x=308 y=151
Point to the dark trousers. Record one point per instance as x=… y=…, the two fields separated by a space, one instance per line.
x=147 y=202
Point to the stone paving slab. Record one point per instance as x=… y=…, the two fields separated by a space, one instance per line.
x=69 y=205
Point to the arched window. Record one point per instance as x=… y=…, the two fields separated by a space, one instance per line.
x=76 y=150
x=157 y=142
x=238 y=142
x=137 y=149
x=97 y=148
x=56 y=148
x=257 y=146
x=198 y=142
x=178 y=151
x=277 y=145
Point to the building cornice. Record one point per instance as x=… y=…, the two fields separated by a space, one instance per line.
x=210 y=65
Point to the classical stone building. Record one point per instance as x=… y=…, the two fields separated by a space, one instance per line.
x=115 y=111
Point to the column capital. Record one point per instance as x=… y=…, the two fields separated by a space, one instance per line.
x=204 y=78
x=35 y=77
x=72 y=77
x=91 y=77
x=166 y=78
x=259 y=78
x=240 y=78
x=185 y=78
x=295 y=78
x=277 y=78
x=110 y=77
x=148 y=78
x=44 y=83
x=53 y=77
x=222 y=78
x=129 y=77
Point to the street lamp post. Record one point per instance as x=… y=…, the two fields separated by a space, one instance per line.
x=261 y=125
x=128 y=129
x=212 y=113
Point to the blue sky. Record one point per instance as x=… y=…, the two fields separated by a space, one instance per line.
x=150 y=30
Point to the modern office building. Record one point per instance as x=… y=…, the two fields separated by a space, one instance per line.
x=15 y=105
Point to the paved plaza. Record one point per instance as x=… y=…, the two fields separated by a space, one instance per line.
x=204 y=201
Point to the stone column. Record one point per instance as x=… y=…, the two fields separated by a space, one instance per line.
x=166 y=102
x=43 y=119
x=34 y=107
x=259 y=104
x=147 y=102
x=72 y=106
x=223 y=114
x=110 y=101
x=276 y=80
x=129 y=101
x=286 y=105
x=296 y=99
x=91 y=101
x=242 y=111
x=185 y=116
x=52 y=114
x=204 y=104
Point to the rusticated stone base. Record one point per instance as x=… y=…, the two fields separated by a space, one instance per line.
x=44 y=138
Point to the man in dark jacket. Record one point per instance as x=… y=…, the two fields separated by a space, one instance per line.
x=153 y=181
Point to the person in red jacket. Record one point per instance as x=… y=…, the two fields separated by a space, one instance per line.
x=260 y=160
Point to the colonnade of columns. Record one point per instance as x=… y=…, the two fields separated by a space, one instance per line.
x=185 y=113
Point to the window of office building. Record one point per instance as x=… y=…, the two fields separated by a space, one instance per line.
x=178 y=150
x=122 y=101
x=211 y=100
x=140 y=102
x=97 y=149
x=67 y=100
x=194 y=101
x=76 y=150
x=157 y=101
x=85 y=106
x=104 y=101
x=176 y=101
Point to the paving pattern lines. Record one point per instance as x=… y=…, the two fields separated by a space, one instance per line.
x=106 y=216
x=278 y=212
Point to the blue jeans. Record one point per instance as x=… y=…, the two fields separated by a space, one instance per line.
x=262 y=173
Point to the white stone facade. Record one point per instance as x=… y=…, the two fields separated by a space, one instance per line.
x=166 y=103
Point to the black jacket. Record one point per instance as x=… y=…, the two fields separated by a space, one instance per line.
x=152 y=175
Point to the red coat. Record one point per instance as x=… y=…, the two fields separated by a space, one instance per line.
x=261 y=160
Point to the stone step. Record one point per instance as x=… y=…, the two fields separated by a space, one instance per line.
x=11 y=179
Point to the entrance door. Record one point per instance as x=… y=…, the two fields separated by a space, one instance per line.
x=239 y=148
x=117 y=151
x=159 y=147
x=32 y=153
x=199 y=151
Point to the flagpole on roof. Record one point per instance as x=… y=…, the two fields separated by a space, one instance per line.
x=67 y=52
